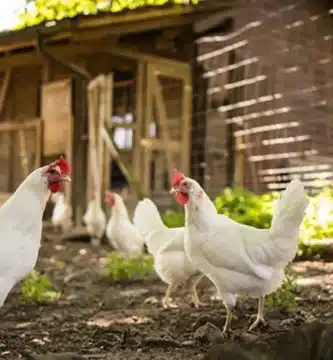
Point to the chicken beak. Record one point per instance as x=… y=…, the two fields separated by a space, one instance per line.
x=173 y=190
x=65 y=178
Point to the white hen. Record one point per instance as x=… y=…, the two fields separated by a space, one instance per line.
x=62 y=212
x=21 y=223
x=95 y=221
x=237 y=258
x=122 y=234
x=167 y=247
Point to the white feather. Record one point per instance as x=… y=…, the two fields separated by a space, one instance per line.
x=122 y=234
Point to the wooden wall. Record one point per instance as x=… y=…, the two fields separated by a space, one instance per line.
x=275 y=92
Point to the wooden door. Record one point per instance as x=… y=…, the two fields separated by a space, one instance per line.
x=56 y=110
x=167 y=124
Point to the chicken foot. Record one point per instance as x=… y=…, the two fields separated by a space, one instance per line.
x=166 y=301
x=194 y=281
x=260 y=315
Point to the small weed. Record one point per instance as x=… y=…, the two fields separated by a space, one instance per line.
x=284 y=298
x=119 y=268
x=37 y=289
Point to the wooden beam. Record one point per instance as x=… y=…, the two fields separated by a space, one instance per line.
x=5 y=89
x=172 y=68
x=108 y=114
x=163 y=120
x=147 y=154
x=38 y=149
x=11 y=126
x=34 y=58
x=187 y=126
x=139 y=98
x=156 y=144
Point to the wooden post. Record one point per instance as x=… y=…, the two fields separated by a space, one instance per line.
x=163 y=119
x=187 y=118
x=108 y=116
x=148 y=120
x=139 y=98
x=4 y=89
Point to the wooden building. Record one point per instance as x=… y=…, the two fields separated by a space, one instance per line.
x=228 y=92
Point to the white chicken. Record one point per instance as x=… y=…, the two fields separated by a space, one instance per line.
x=62 y=212
x=167 y=247
x=121 y=233
x=237 y=258
x=95 y=221
x=21 y=223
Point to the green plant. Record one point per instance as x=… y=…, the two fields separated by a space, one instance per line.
x=284 y=298
x=120 y=268
x=246 y=207
x=318 y=222
x=37 y=289
x=173 y=218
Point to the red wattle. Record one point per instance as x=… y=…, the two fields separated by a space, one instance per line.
x=182 y=198
x=55 y=187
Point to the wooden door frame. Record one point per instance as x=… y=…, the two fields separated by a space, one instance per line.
x=175 y=70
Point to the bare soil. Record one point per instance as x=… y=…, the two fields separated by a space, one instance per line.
x=103 y=319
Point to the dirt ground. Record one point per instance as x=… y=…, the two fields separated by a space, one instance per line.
x=103 y=319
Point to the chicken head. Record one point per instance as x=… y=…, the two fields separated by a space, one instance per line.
x=56 y=174
x=182 y=187
x=109 y=198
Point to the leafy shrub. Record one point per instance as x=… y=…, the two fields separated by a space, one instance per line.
x=284 y=298
x=119 y=268
x=37 y=289
x=246 y=207
x=173 y=218
x=318 y=223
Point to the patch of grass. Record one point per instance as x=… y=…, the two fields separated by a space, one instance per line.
x=285 y=297
x=37 y=289
x=119 y=268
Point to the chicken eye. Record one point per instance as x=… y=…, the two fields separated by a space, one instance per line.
x=185 y=183
x=52 y=171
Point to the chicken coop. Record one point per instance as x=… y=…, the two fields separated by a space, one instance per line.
x=232 y=93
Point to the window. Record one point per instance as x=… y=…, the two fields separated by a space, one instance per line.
x=123 y=137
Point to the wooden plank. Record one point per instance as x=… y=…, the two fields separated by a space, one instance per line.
x=4 y=89
x=108 y=114
x=163 y=120
x=23 y=153
x=172 y=68
x=147 y=154
x=56 y=112
x=187 y=127
x=38 y=154
x=34 y=58
x=28 y=124
x=138 y=121
x=156 y=144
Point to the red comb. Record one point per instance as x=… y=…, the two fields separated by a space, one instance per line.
x=177 y=178
x=63 y=165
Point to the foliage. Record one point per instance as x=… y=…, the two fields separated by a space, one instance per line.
x=173 y=218
x=41 y=11
x=246 y=207
x=37 y=289
x=120 y=268
x=318 y=223
x=284 y=298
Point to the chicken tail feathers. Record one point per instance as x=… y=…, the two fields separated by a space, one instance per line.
x=147 y=218
x=288 y=214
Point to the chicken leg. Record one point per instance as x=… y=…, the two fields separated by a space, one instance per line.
x=194 y=281
x=166 y=301
x=260 y=315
